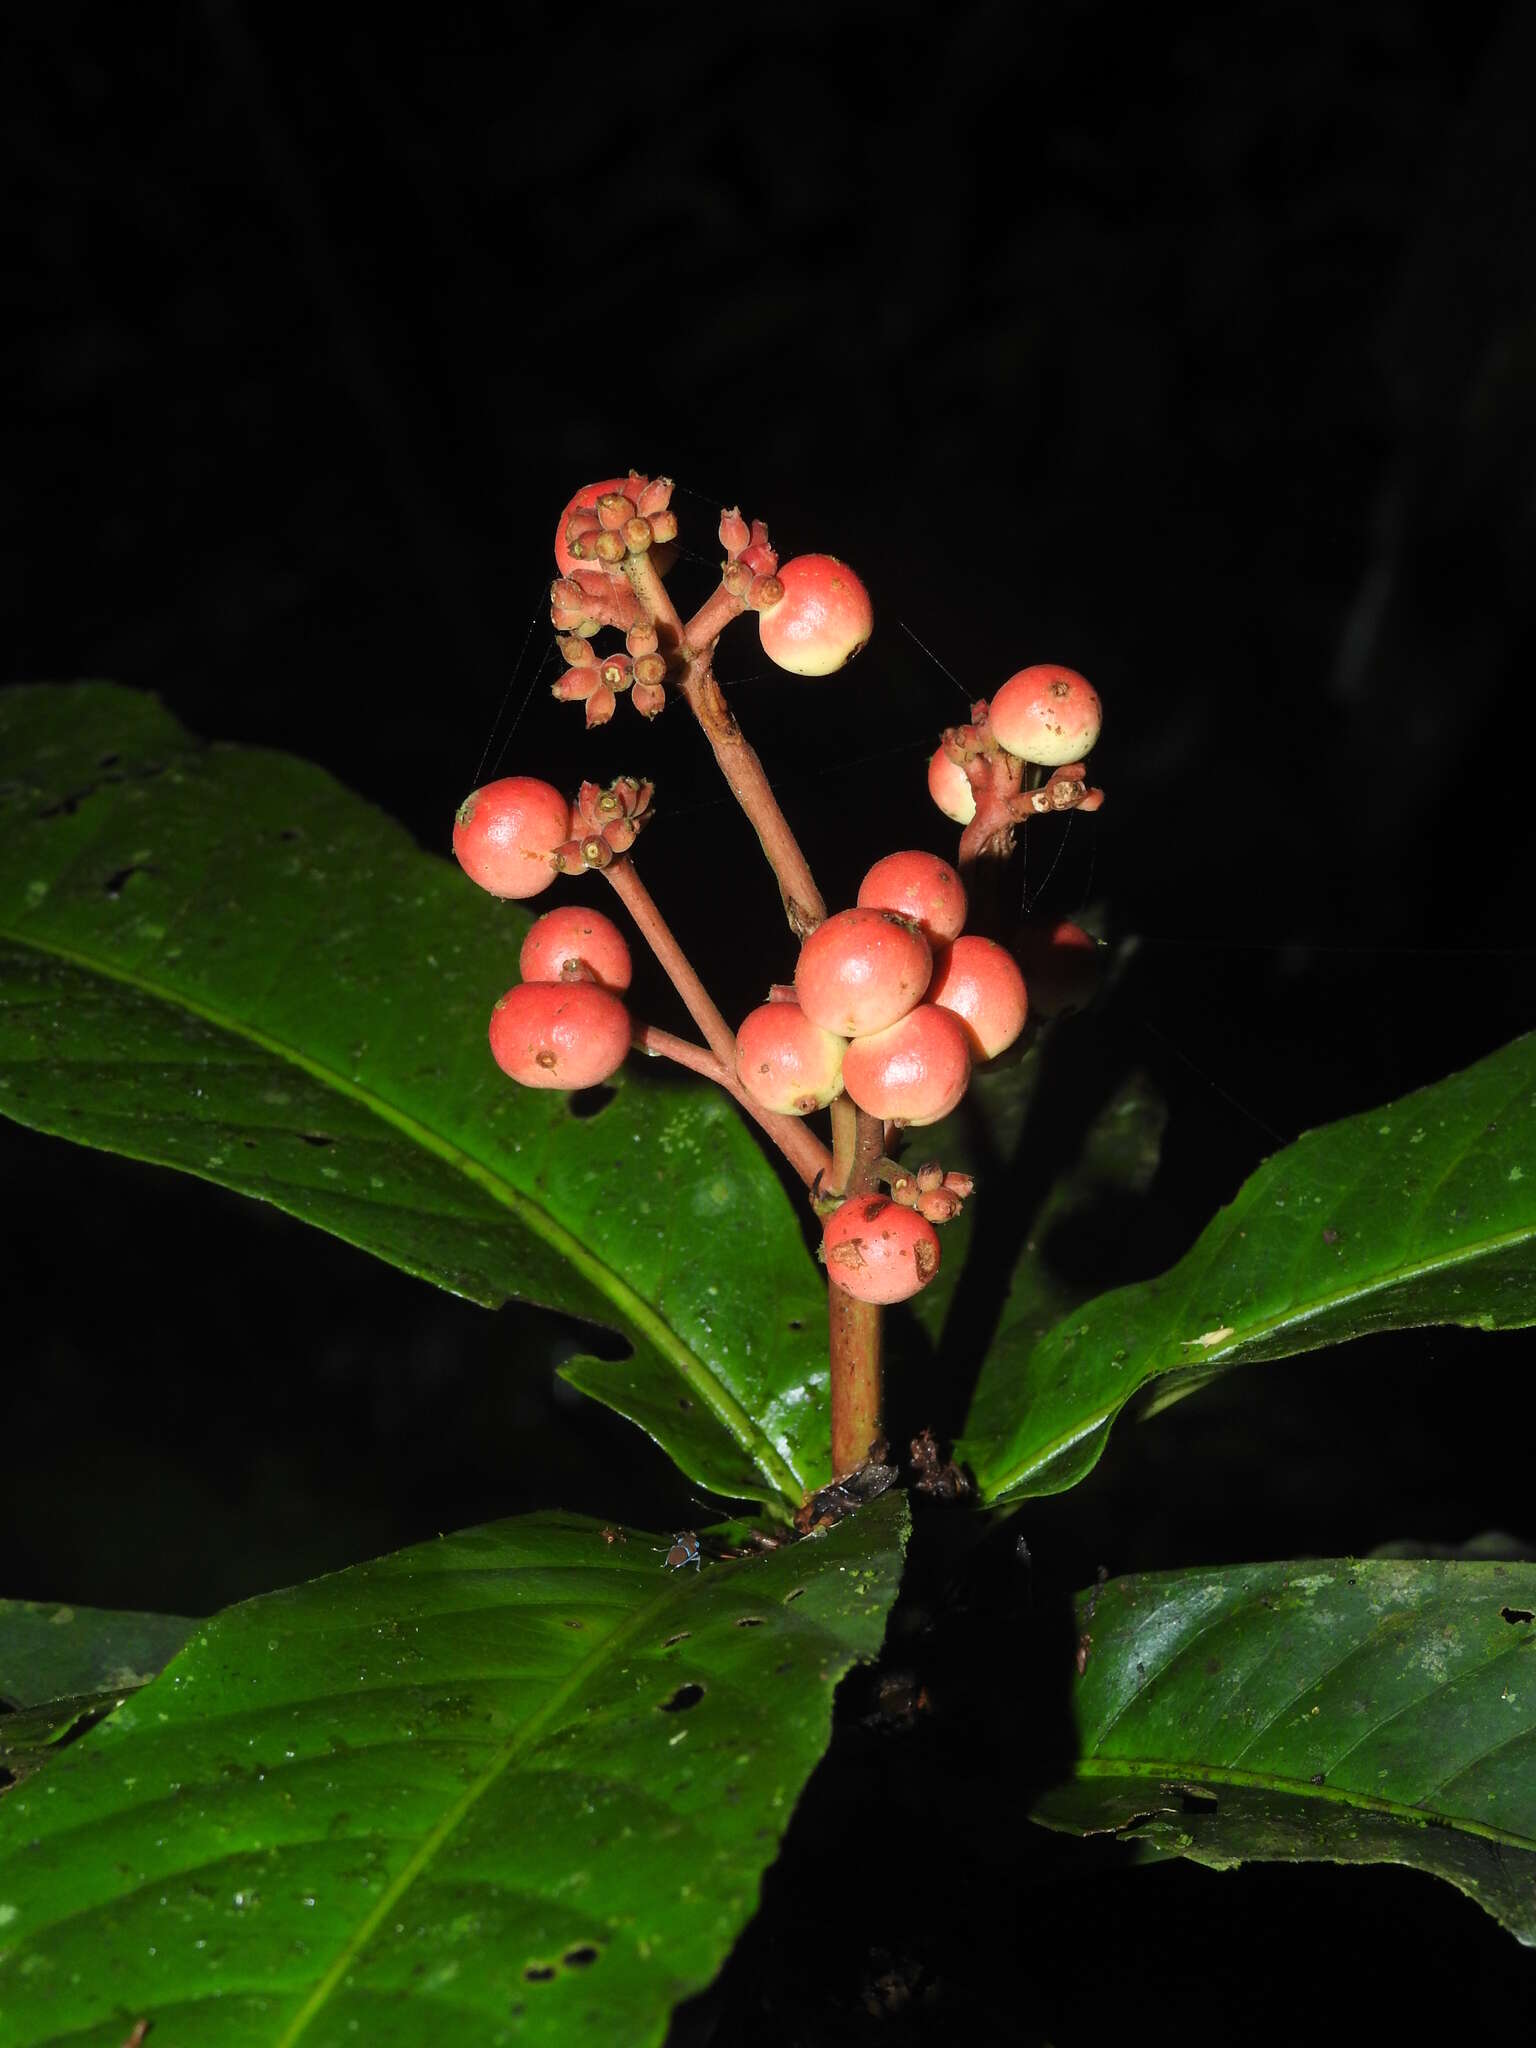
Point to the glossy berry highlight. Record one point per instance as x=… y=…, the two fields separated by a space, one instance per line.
x=504 y=834
x=878 y=1251
x=979 y=983
x=573 y=944
x=913 y=1072
x=822 y=620
x=1047 y=715
x=918 y=886
x=787 y=1063
x=550 y=1034
x=861 y=970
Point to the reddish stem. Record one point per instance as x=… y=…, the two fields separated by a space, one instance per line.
x=800 y=1146
x=853 y=1327
x=804 y=1151
x=691 y=646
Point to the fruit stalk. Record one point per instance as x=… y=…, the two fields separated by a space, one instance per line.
x=800 y=1146
x=854 y=1335
x=744 y=773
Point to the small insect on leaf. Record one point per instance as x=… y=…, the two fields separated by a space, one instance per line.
x=685 y=1550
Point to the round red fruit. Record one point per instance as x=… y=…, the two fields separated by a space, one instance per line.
x=787 y=1063
x=571 y=944
x=914 y=1071
x=921 y=887
x=504 y=834
x=553 y=1034
x=950 y=788
x=861 y=970
x=878 y=1251
x=1046 y=714
x=821 y=621
x=977 y=981
x=1062 y=964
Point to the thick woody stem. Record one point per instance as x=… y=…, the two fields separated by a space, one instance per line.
x=800 y=1147
x=690 y=647
x=853 y=1327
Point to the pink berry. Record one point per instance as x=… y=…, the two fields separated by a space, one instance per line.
x=1047 y=715
x=787 y=1063
x=921 y=887
x=914 y=1071
x=978 y=982
x=1062 y=963
x=950 y=788
x=553 y=1034
x=821 y=621
x=504 y=834
x=861 y=970
x=878 y=1251
x=585 y=500
x=565 y=941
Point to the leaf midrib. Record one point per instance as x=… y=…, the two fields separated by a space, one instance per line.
x=721 y=1403
x=1177 y=1772
x=517 y=1745
x=1409 y=1270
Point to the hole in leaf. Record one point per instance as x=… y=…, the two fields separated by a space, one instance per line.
x=290 y=833
x=685 y=1404
x=793 y=1594
x=681 y=1637
x=1193 y=1800
x=316 y=1138
x=795 y=1323
x=577 y=1958
x=1517 y=1614
x=114 y=885
x=539 y=1973
x=109 y=760
x=249 y=1144
x=685 y=1697
x=589 y=1102
x=749 y=1621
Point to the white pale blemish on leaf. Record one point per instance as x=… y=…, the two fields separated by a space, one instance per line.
x=1212 y=1337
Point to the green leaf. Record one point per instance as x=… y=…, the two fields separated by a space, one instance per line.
x=1422 y=1212
x=30 y=1738
x=218 y=959
x=1368 y=1710
x=50 y=1651
x=517 y=1781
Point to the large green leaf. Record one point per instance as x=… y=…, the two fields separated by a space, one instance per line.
x=517 y=1783
x=1422 y=1212
x=50 y=1650
x=218 y=959
x=1367 y=1710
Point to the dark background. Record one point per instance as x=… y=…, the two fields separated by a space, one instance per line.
x=1195 y=348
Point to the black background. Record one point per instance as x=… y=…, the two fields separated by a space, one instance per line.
x=1196 y=349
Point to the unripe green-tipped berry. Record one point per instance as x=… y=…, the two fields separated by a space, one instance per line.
x=1046 y=714
x=878 y=1251
x=913 y=1072
x=505 y=833
x=919 y=886
x=553 y=1034
x=787 y=1063
x=980 y=984
x=821 y=621
x=950 y=788
x=573 y=944
x=861 y=970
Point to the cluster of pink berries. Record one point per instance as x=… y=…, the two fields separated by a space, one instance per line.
x=892 y=1001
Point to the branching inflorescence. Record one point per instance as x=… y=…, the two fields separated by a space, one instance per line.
x=892 y=1002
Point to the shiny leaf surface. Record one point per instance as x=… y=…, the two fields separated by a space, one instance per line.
x=218 y=959
x=1365 y=1710
x=1421 y=1212
x=518 y=1783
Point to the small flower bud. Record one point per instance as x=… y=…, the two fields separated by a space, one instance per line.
x=737 y=578
x=651 y=669
x=653 y=497
x=575 y=686
x=939 y=1205
x=961 y=1184
x=641 y=639
x=615 y=670
x=734 y=531
x=601 y=546
x=757 y=554
x=614 y=509
x=663 y=526
x=578 y=651
x=648 y=699
x=601 y=706
x=930 y=1175
x=637 y=534
x=764 y=592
